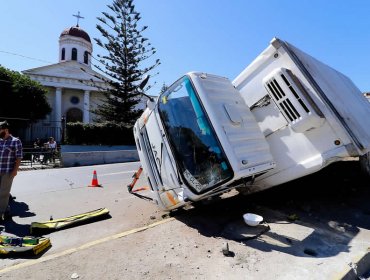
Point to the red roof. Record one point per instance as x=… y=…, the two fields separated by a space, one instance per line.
x=76 y=31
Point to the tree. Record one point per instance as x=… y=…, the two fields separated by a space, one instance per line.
x=127 y=52
x=21 y=98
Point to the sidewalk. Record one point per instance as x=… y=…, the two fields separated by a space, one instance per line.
x=27 y=165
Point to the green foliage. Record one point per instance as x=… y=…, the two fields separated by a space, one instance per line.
x=106 y=133
x=22 y=98
x=126 y=63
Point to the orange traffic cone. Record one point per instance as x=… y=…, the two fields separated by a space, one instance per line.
x=94 y=182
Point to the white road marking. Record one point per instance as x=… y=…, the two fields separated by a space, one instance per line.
x=115 y=173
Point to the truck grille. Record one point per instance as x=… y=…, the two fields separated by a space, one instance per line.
x=281 y=93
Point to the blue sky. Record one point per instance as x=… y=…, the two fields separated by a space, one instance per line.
x=220 y=37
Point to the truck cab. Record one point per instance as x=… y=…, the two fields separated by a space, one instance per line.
x=199 y=139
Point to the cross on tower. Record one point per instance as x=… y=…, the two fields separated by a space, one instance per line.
x=78 y=17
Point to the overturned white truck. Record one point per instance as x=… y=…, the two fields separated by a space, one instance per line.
x=285 y=116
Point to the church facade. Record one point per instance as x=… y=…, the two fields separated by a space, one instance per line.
x=73 y=88
x=367 y=95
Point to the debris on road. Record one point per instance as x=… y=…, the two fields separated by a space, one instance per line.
x=293 y=217
x=78 y=219
x=252 y=219
x=75 y=276
x=131 y=186
x=10 y=245
x=225 y=249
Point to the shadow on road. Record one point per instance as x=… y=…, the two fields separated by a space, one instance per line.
x=20 y=209
x=331 y=204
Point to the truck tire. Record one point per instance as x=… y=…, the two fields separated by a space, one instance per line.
x=365 y=163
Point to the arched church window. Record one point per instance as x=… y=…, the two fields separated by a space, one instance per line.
x=74 y=54
x=74 y=115
x=63 y=54
x=86 y=57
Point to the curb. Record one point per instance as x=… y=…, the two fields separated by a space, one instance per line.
x=29 y=168
x=359 y=267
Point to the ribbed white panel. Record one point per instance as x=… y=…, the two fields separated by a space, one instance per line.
x=241 y=137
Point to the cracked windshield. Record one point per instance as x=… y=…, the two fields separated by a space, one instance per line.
x=202 y=163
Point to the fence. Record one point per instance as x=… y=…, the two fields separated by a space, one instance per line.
x=28 y=132
x=40 y=157
x=42 y=131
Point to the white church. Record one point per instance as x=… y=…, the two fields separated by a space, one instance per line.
x=70 y=91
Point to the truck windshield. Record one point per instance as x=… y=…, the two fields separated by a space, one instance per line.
x=201 y=161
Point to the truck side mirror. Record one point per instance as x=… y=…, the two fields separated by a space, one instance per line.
x=142 y=85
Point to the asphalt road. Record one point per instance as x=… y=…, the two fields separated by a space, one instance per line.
x=58 y=193
x=312 y=231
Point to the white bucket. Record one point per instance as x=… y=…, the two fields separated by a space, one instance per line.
x=252 y=219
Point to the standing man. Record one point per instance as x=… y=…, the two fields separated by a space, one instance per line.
x=11 y=153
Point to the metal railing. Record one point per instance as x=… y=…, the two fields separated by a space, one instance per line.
x=41 y=157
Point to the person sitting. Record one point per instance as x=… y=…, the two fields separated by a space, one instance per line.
x=45 y=153
x=52 y=148
x=37 y=149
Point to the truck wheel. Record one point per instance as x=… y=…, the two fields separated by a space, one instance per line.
x=365 y=163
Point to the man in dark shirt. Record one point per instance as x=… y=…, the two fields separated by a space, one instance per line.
x=11 y=153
